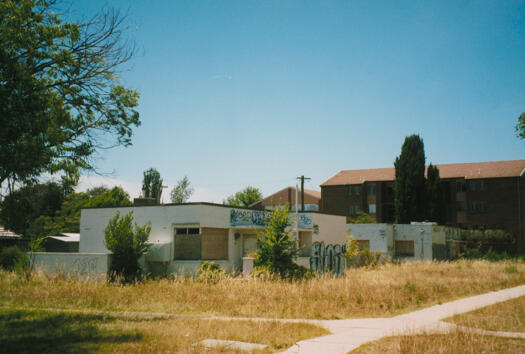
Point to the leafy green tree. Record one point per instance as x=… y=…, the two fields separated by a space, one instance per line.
x=276 y=249
x=244 y=198
x=434 y=195
x=152 y=184
x=61 y=100
x=19 y=209
x=520 y=126
x=363 y=218
x=182 y=191
x=127 y=245
x=409 y=186
x=67 y=218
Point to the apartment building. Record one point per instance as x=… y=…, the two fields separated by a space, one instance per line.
x=478 y=195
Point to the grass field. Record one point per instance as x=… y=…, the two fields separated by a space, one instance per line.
x=386 y=290
x=454 y=342
x=506 y=316
x=41 y=331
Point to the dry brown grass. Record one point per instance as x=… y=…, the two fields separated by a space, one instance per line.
x=386 y=290
x=454 y=342
x=42 y=331
x=506 y=316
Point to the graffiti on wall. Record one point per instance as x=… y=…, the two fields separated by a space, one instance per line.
x=85 y=265
x=330 y=258
x=305 y=221
x=244 y=217
x=240 y=217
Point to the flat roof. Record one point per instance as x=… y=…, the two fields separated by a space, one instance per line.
x=203 y=203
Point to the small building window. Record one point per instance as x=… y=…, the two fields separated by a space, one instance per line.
x=404 y=248
x=372 y=190
x=363 y=244
x=481 y=185
x=473 y=186
x=351 y=210
x=372 y=208
x=357 y=210
x=461 y=206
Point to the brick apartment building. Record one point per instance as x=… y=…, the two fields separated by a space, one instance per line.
x=287 y=196
x=479 y=195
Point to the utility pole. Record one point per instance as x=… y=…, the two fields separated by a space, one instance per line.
x=302 y=178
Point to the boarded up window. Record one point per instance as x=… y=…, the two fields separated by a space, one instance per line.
x=305 y=244
x=214 y=243
x=404 y=248
x=187 y=245
x=363 y=244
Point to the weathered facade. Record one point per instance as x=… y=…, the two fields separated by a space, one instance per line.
x=185 y=235
x=485 y=195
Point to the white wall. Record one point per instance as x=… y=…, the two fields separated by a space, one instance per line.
x=420 y=234
x=380 y=236
x=94 y=221
x=83 y=264
x=332 y=229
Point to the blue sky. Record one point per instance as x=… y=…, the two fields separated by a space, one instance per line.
x=238 y=93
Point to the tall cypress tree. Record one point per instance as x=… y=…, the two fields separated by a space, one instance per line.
x=434 y=198
x=409 y=186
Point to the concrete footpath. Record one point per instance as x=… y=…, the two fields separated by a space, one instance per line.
x=350 y=334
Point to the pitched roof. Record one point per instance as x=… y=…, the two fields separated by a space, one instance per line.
x=8 y=234
x=471 y=170
x=310 y=192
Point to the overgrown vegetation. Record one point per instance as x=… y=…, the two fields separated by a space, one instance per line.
x=276 y=249
x=362 y=218
x=379 y=291
x=453 y=342
x=127 y=245
x=493 y=245
x=508 y=316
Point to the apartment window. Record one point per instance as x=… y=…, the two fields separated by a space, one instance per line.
x=354 y=190
x=372 y=190
x=357 y=210
x=481 y=185
x=477 y=207
x=461 y=186
x=473 y=186
x=372 y=208
x=351 y=211
x=461 y=206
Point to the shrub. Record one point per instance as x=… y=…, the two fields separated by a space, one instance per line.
x=276 y=250
x=127 y=246
x=211 y=272
x=9 y=256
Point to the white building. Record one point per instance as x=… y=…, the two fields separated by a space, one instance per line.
x=418 y=241
x=185 y=235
